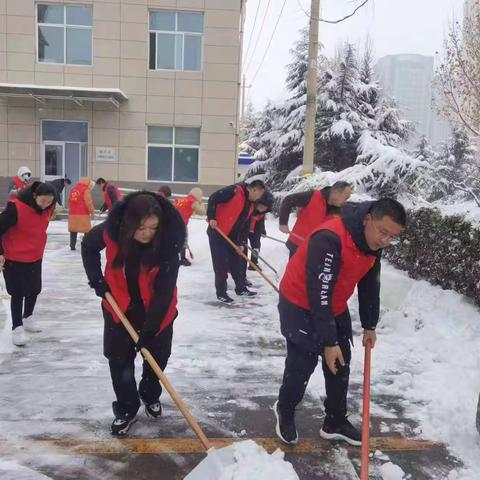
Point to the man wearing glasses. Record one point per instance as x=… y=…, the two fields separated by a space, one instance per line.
x=338 y=255
x=19 y=182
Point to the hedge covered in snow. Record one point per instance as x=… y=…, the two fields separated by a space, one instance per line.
x=445 y=250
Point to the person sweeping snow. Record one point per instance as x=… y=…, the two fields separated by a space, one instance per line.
x=187 y=206
x=230 y=210
x=315 y=206
x=80 y=209
x=338 y=255
x=142 y=235
x=23 y=234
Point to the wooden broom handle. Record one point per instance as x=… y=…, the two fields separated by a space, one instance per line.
x=168 y=386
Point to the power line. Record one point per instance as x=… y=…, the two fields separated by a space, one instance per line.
x=338 y=20
x=269 y=43
x=258 y=38
x=253 y=28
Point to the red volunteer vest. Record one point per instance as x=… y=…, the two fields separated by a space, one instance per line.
x=310 y=216
x=254 y=220
x=354 y=264
x=228 y=213
x=117 y=283
x=19 y=185
x=118 y=194
x=25 y=241
x=76 y=200
x=185 y=207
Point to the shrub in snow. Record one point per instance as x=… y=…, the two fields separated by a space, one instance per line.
x=444 y=250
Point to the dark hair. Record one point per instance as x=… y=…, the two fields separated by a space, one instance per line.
x=67 y=181
x=266 y=199
x=43 y=189
x=341 y=185
x=166 y=190
x=388 y=207
x=100 y=181
x=257 y=184
x=137 y=210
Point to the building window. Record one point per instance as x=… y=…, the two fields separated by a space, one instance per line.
x=176 y=40
x=173 y=154
x=64 y=34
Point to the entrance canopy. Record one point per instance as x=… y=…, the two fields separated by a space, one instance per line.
x=78 y=95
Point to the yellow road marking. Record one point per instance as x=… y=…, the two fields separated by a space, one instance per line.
x=159 y=446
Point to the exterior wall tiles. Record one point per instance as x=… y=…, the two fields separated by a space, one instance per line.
x=21 y=7
x=19 y=43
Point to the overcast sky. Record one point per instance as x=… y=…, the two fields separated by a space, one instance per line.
x=394 y=26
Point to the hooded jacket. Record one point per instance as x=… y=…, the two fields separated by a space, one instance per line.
x=164 y=261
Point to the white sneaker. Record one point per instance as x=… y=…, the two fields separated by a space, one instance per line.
x=19 y=337
x=31 y=325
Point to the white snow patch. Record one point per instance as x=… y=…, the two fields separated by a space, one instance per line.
x=391 y=471
x=12 y=470
x=252 y=461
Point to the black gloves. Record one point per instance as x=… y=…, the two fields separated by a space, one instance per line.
x=145 y=337
x=101 y=288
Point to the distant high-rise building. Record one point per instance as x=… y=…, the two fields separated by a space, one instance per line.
x=408 y=79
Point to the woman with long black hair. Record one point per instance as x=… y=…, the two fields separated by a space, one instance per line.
x=23 y=237
x=142 y=235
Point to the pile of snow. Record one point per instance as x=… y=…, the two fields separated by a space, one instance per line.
x=390 y=471
x=252 y=461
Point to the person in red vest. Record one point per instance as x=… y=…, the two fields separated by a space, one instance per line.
x=19 y=182
x=230 y=209
x=142 y=237
x=338 y=255
x=80 y=209
x=187 y=206
x=111 y=194
x=315 y=206
x=23 y=235
x=257 y=226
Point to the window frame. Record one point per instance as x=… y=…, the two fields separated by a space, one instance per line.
x=174 y=33
x=65 y=25
x=173 y=146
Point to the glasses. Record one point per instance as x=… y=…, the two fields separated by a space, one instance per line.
x=385 y=236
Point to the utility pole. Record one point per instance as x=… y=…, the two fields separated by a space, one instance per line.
x=244 y=88
x=308 y=149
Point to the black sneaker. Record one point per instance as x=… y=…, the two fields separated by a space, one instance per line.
x=248 y=283
x=121 y=425
x=285 y=428
x=245 y=293
x=153 y=410
x=225 y=298
x=185 y=262
x=341 y=430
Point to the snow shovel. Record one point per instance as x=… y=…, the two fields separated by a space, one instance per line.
x=212 y=466
x=264 y=261
x=232 y=244
x=275 y=239
x=366 y=413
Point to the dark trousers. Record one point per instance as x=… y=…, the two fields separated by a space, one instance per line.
x=225 y=259
x=119 y=349
x=73 y=240
x=299 y=366
x=255 y=243
x=21 y=307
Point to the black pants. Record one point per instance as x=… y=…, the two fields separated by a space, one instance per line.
x=21 y=307
x=225 y=259
x=24 y=283
x=119 y=349
x=299 y=366
x=73 y=240
x=255 y=243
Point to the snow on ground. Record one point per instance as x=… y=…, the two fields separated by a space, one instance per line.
x=427 y=358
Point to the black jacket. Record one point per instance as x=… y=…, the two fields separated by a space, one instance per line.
x=239 y=232
x=166 y=257
x=58 y=184
x=324 y=250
